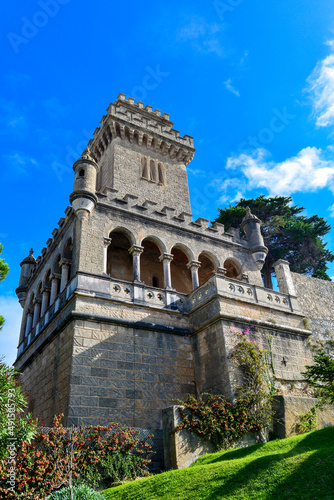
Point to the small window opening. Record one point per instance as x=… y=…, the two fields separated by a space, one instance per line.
x=153 y=171
x=81 y=173
x=155 y=282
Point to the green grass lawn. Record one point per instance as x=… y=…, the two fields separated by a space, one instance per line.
x=300 y=467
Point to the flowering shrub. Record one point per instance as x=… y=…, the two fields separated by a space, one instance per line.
x=217 y=420
x=64 y=455
x=221 y=422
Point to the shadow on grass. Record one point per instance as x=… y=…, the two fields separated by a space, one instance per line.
x=313 y=441
x=274 y=477
x=232 y=455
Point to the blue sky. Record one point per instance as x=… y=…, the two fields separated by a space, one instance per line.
x=251 y=81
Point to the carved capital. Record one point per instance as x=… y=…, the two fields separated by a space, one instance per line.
x=106 y=241
x=166 y=256
x=55 y=276
x=65 y=262
x=136 y=250
x=193 y=263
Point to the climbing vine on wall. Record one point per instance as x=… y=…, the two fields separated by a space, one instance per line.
x=222 y=422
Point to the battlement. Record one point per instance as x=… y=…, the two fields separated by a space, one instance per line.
x=170 y=216
x=141 y=125
x=56 y=242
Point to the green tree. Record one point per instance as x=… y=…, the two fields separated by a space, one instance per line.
x=15 y=427
x=287 y=234
x=3 y=273
x=321 y=377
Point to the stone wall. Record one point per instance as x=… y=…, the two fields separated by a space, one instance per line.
x=215 y=372
x=288 y=409
x=47 y=377
x=316 y=299
x=126 y=374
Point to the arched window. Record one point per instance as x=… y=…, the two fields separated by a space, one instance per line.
x=145 y=140
x=119 y=261
x=136 y=137
x=118 y=130
x=207 y=268
x=161 y=173
x=232 y=269
x=127 y=133
x=144 y=169
x=154 y=143
x=181 y=276
x=151 y=269
x=153 y=171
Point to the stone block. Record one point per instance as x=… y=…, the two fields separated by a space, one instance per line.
x=183 y=448
x=288 y=410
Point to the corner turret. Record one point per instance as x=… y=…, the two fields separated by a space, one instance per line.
x=252 y=227
x=83 y=198
x=26 y=267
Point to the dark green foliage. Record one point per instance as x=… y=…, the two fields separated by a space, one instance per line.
x=321 y=377
x=121 y=465
x=15 y=424
x=307 y=421
x=287 y=234
x=3 y=266
x=3 y=273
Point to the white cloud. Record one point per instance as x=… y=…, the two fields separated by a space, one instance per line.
x=11 y=310
x=321 y=89
x=203 y=37
x=196 y=172
x=310 y=170
x=331 y=211
x=20 y=164
x=229 y=86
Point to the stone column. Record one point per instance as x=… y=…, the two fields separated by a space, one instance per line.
x=221 y=271
x=28 y=322
x=136 y=252
x=37 y=312
x=106 y=243
x=45 y=299
x=54 y=287
x=194 y=266
x=65 y=267
x=284 y=278
x=166 y=259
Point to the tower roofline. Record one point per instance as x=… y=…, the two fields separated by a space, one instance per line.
x=127 y=118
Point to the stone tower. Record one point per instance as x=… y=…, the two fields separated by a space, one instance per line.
x=132 y=301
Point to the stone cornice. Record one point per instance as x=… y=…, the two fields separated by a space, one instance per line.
x=130 y=121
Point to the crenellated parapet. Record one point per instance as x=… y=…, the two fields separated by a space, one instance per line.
x=141 y=125
x=170 y=216
x=53 y=244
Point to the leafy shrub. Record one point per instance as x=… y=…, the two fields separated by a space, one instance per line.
x=63 y=456
x=307 y=421
x=14 y=425
x=81 y=492
x=116 y=467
